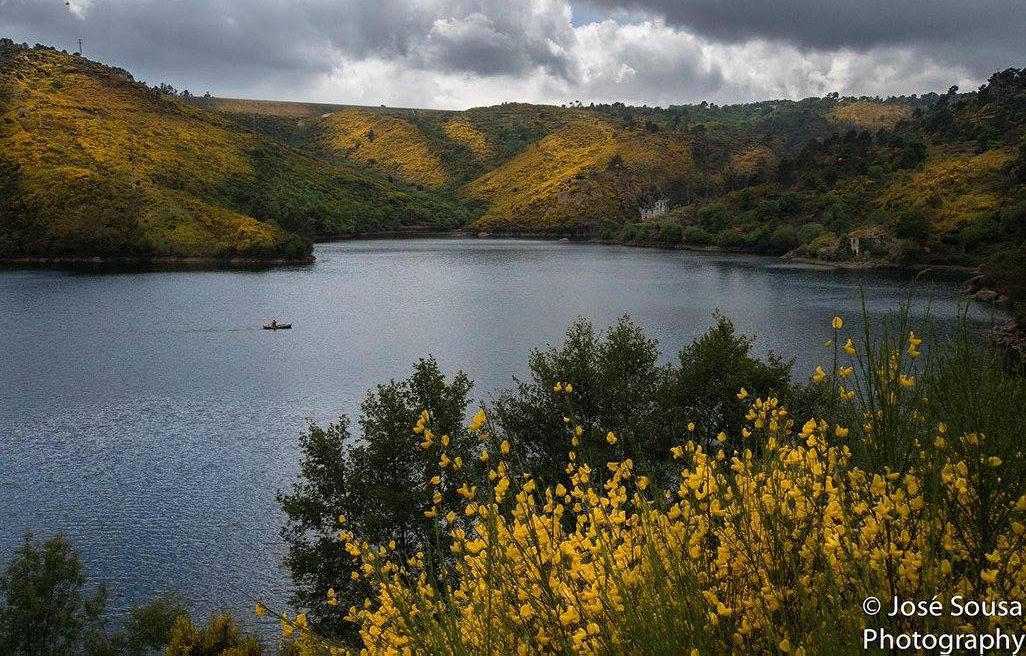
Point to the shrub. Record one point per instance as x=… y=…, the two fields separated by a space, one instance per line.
x=713 y=217
x=789 y=204
x=376 y=483
x=809 y=232
x=766 y=545
x=914 y=225
x=44 y=610
x=630 y=232
x=671 y=232
x=696 y=236
x=784 y=238
x=221 y=637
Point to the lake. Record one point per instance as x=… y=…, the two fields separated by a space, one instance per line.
x=148 y=417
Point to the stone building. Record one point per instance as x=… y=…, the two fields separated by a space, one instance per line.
x=657 y=209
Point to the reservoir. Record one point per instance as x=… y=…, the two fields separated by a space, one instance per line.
x=148 y=417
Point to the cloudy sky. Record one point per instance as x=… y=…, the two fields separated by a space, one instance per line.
x=464 y=53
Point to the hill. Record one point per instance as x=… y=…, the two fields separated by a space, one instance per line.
x=93 y=163
x=566 y=170
x=946 y=185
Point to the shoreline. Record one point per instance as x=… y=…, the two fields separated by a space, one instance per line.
x=548 y=236
x=153 y=260
x=249 y=262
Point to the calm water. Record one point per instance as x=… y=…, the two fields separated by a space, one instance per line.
x=148 y=417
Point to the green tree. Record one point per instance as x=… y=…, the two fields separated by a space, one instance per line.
x=379 y=483
x=148 y=628
x=809 y=231
x=1018 y=166
x=711 y=371
x=696 y=236
x=619 y=386
x=614 y=379
x=671 y=231
x=914 y=225
x=785 y=237
x=44 y=610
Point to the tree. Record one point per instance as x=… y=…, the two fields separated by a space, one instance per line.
x=913 y=225
x=379 y=484
x=619 y=386
x=44 y=611
x=671 y=231
x=809 y=231
x=614 y=378
x=913 y=154
x=1018 y=167
x=785 y=237
x=711 y=371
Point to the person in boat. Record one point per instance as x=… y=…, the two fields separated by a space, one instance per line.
x=274 y=323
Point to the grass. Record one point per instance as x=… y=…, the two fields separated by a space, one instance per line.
x=952 y=187
x=565 y=180
x=870 y=115
x=461 y=130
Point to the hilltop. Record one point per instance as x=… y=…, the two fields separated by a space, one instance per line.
x=94 y=163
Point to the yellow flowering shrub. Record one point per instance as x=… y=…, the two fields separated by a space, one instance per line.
x=959 y=183
x=869 y=115
x=528 y=191
x=464 y=132
x=392 y=143
x=771 y=549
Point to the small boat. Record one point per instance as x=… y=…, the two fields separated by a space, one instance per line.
x=274 y=325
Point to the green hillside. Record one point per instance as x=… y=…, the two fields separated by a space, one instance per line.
x=566 y=170
x=93 y=163
x=946 y=186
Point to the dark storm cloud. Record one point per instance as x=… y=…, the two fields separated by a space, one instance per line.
x=485 y=37
x=984 y=34
x=286 y=42
x=188 y=40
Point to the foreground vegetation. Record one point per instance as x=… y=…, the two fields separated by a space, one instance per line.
x=47 y=609
x=612 y=504
x=704 y=506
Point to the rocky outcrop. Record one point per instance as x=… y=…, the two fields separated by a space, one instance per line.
x=978 y=289
x=1010 y=337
